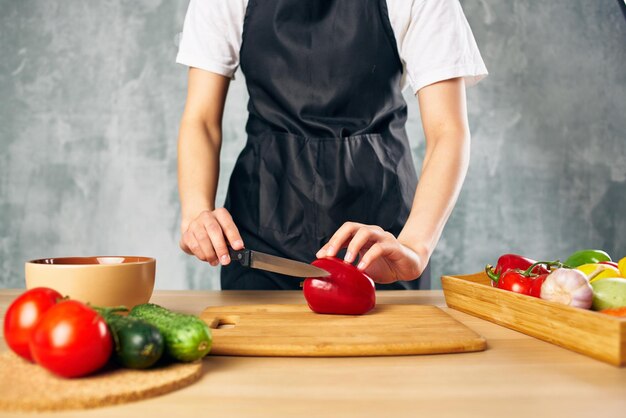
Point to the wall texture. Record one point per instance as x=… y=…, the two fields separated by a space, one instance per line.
x=90 y=100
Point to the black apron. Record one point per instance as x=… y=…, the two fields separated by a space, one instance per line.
x=326 y=138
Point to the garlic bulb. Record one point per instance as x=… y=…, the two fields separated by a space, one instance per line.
x=569 y=287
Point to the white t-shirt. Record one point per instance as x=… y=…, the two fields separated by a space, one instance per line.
x=434 y=40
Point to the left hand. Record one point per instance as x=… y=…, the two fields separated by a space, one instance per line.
x=383 y=257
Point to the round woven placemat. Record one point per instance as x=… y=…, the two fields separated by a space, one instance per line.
x=27 y=387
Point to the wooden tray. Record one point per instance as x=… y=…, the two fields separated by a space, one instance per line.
x=593 y=334
x=294 y=330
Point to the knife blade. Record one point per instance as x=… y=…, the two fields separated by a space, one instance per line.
x=268 y=262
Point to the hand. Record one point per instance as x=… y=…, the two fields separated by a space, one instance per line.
x=383 y=257
x=204 y=237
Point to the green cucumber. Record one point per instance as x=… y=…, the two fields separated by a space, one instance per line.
x=187 y=337
x=138 y=344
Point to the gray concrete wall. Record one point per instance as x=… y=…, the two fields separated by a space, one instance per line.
x=90 y=100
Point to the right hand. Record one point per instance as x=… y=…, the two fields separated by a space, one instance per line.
x=206 y=235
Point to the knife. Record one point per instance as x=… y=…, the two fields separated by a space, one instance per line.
x=262 y=261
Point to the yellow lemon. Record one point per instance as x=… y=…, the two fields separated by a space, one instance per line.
x=622 y=267
x=598 y=271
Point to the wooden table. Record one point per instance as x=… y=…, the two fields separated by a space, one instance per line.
x=516 y=376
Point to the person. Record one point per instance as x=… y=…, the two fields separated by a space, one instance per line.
x=327 y=168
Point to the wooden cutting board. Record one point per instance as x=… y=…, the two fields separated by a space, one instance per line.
x=26 y=386
x=293 y=330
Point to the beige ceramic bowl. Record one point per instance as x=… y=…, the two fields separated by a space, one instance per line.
x=101 y=281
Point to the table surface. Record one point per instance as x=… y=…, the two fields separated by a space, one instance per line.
x=516 y=376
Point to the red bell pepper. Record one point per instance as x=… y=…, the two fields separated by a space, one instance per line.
x=610 y=263
x=511 y=262
x=621 y=312
x=347 y=291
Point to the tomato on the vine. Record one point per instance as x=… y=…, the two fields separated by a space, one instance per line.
x=22 y=316
x=71 y=340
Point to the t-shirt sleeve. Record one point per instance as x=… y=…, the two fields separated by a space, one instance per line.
x=211 y=36
x=438 y=45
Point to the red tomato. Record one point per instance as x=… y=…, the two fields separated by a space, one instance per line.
x=23 y=315
x=515 y=281
x=535 y=287
x=71 y=340
x=347 y=291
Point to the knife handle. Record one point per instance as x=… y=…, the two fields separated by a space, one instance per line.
x=243 y=256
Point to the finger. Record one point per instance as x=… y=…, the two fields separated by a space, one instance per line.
x=204 y=242
x=216 y=236
x=360 y=241
x=183 y=246
x=322 y=251
x=194 y=245
x=376 y=251
x=229 y=228
x=336 y=242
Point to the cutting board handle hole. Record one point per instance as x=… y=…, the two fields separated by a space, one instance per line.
x=225 y=322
